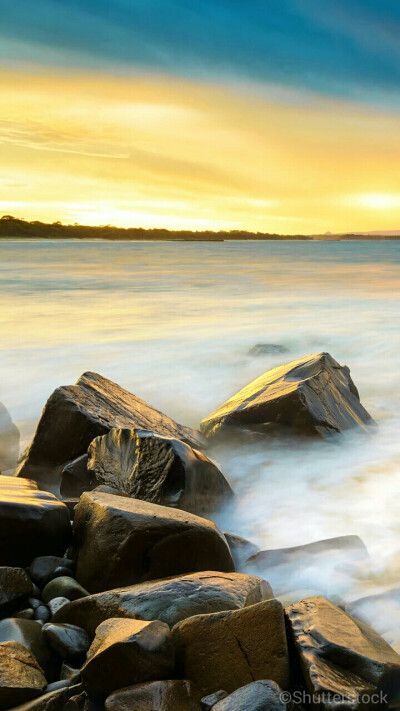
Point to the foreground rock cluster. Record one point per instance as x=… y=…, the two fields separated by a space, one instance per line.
x=121 y=594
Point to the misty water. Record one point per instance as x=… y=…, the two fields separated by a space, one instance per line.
x=173 y=323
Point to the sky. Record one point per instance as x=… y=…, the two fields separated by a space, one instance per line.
x=266 y=115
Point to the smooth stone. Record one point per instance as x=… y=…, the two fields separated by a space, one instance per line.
x=169 y=600
x=69 y=641
x=161 y=470
x=29 y=634
x=42 y=568
x=207 y=702
x=15 y=588
x=34 y=602
x=64 y=586
x=26 y=614
x=171 y=695
x=257 y=696
x=56 y=685
x=240 y=548
x=9 y=441
x=127 y=652
x=261 y=349
x=75 y=414
x=231 y=649
x=57 y=603
x=42 y=613
x=32 y=522
x=311 y=395
x=122 y=541
x=21 y=677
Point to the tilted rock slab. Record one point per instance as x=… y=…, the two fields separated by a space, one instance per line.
x=169 y=600
x=122 y=541
x=21 y=677
x=341 y=656
x=171 y=695
x=9 y=441
x=231 y=649
x=32 y=522
x=75 y=414
x=161 y=470
x=312 y=395
x=127 y=652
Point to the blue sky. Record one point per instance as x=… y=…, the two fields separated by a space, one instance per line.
x=347 y=48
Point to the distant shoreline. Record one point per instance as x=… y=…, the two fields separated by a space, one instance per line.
x=16 y=228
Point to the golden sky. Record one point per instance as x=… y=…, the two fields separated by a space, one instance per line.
x=157 y=151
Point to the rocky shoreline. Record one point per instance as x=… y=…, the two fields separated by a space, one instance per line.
x=118 y=592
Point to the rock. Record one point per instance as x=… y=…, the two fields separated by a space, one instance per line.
x=15 y=588
x=42 y=613
x=56 y=685
x=169 y=695
x=261 y=349
x=312 y=395
x=9 y=441
x=52 y=699
x=231 y=649
x=70 y=674
x=32 y=522
x=340 y=655
x=241 y=549
x=380 y=609
x=43 y=567
x=161 y=470
x=29 y=634
x=70 y=642
x=122 y=541
x=291 y=568
x=57 y=603
x=26 y=614
x=21 y=677
x=34 y=602
x=257 y=696
x=207 y=702
x=127 y=652
x=82 y=702
x=169 y=600
x=75 y=414
x=75 y=478
x=64 y=586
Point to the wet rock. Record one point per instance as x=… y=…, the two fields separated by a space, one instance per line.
x=34 y=602
x=21 y=677
x=56 y=685
x=57 y=603
x=26 y=614
x=312 y=395
x=169 y=600
x=261 y=349
x=42 y=613
x=122 y=541
x=65 y=586
x=75 y=414
x=42 y=568
x=257 y=696
x=207 y=702
x=240 y=548
x=381 y=609
x=15 y=588
x=290 y=568
x=29 y=634
x=69 y=641
x=127 y=652
x=32 y=522
x=171 y=695
x=9 y=441
x=232 y=649
x=70 y=674
x=75 y=478
x=53 y=699
x=340 y=655
x=161 y=470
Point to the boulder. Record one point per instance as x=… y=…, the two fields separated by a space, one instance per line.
x=9 y=441
x=21 y=677
x=65 y=586
x=51 y=700
x=161 y=470
x=29 y=634
x=69 y=641
x=169 y=600
x=15 y=589
x=312 y=395
x=240 y=548
x=207 y=702
x=261 y=349
x=291 y=568
x=127 y=652
x=171 y=695
x=75 y=414
x=42 y=568
x=340 y=656
x=257 y=696
x=122 y=541
x=32 y=522
x=231 y=649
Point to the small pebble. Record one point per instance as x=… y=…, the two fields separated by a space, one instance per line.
x=42 y=613
x=62 y=684
x=34 y=602
x=56 y=603
x=26 y=614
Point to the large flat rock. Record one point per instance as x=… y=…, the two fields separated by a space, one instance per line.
x=32 y=522
x=122 y=541
x=9 y=441
x=75 y=414
x=312 y=395
x=169 y=600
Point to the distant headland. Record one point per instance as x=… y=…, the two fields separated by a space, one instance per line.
x=14 y=227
